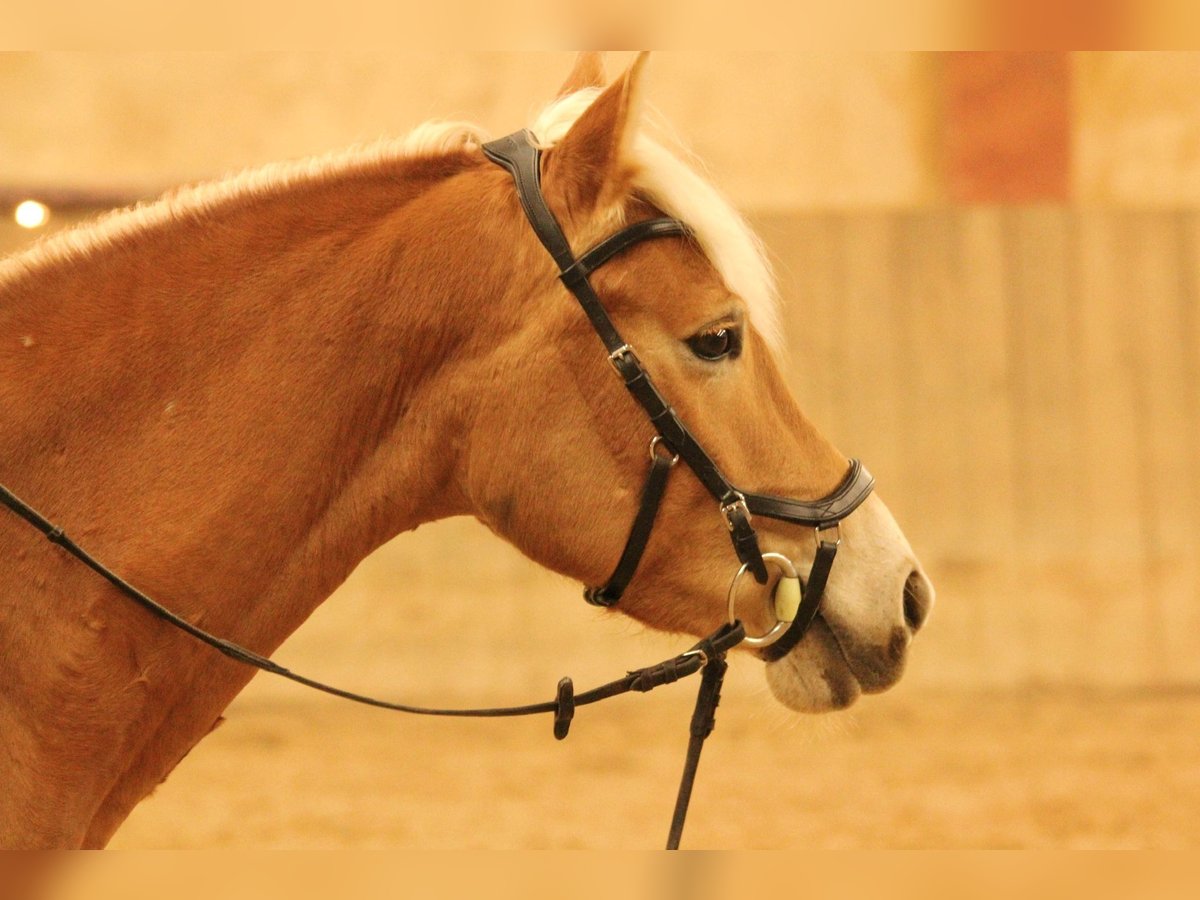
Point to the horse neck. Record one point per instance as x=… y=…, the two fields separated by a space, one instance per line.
x=232 y=411
x=231 y=381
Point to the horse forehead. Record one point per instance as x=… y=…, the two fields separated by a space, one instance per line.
x=672 y=273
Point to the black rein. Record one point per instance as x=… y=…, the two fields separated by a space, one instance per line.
x=701 y=656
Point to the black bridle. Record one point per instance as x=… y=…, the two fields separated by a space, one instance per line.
x=673 y=442
x=520 y=156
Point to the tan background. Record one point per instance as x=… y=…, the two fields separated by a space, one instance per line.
x=1024 y=381
x=779 y=131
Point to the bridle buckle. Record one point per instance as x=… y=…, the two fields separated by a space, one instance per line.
x=835 y=527
x=659 y=441
x=737 y=505
x=618 y=356
x=697 y=652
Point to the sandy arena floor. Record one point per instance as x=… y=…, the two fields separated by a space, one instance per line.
x=914 y=769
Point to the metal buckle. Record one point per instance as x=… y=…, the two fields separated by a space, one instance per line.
x=836 y=528
x=697 y=652
x=615 y=356
x=654 y=442
x=728 y=508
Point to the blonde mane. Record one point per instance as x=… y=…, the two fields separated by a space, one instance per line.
x=80 y=241
x=662 y=177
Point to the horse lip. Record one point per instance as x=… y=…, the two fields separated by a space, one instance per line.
x=871 y=677
x=837 y=642
x=820 y=615
x=839 y=676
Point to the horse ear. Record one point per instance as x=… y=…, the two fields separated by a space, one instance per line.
x=589 y=168
x=588 y=72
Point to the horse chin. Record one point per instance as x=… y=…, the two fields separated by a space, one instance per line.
x=814 y=677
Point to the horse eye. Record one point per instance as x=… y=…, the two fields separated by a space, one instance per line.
x=715 y=344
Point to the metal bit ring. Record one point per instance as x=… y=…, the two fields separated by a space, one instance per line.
x=776 y=632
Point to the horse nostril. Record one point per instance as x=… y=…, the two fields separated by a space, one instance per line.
x=918 y=598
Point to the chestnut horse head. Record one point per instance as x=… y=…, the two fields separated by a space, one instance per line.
x=701 y=313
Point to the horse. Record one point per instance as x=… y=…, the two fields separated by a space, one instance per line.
x=235 y=393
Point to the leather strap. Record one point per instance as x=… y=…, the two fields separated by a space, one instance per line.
x=823 y=513
x=622 y=240
x=522 y=159
x=745 y=539
x=642 y=680
x=639 y=535
x=810 y=603
x=703 y=722
x=668 y=424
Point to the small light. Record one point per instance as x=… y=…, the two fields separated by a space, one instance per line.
x=31 y=214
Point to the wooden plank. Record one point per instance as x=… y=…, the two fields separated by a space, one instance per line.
x=806 y=252
x=928 y=334
x=1151 y=282
x=933 y=311
x=870 y=352
x=983 y=283
x=1114 y=490
x=1108 y=399
x=1042 y=318
x=1181 y=612
x=1154 y=282
x=990 y=531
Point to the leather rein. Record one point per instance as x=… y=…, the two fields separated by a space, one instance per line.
x=518 y=154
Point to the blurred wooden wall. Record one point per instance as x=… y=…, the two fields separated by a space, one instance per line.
x=1025 y=383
